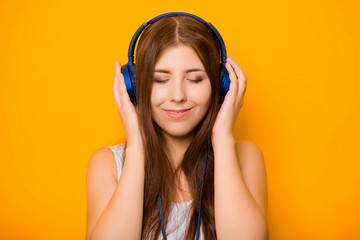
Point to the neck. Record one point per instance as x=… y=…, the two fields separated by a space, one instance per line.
x=176 y=147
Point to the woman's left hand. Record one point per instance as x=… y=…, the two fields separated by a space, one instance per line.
x=234 y=100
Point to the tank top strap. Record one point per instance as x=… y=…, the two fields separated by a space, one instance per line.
x=118 y=151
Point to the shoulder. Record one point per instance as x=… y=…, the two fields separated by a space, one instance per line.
x=101 y=183
x=253 y=169
x=246 y=149
x=102 y=162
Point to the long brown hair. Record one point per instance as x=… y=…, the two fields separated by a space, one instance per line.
x=159 y=175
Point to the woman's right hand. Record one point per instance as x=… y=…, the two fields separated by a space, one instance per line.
x=126 y=109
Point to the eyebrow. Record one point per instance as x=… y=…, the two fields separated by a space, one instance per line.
x=187 y=71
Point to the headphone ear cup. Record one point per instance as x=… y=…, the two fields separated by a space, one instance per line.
x=224 y=81
x=129 y=77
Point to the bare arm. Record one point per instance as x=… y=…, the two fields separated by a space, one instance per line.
x=115 y=210
x=119 y=217
x=240 y=194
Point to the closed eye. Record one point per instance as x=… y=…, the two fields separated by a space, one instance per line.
x=196 y=80
x=160 y=80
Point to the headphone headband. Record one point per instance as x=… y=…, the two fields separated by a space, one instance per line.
x=129 y=72
x=171 y=14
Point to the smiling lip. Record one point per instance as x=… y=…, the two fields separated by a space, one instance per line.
x=177 y=114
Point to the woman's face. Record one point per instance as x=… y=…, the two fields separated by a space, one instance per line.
x=181 y=91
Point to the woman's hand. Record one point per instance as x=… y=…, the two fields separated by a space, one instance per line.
x=126 y=109
x=233 y=101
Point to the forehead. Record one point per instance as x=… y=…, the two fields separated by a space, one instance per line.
x=179 y=58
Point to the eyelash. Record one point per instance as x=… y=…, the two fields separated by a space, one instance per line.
x=192 y=80
x=197 y=80
x=159 y=81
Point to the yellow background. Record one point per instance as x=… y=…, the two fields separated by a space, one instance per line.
x=301 y=106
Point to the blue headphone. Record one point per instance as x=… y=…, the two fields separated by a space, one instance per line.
x=128 y=70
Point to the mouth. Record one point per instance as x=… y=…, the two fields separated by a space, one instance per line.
x=177 y=113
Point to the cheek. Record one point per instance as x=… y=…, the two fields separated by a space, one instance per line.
x=157 y=95
x=201 y=95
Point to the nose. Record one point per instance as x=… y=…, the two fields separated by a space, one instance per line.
x=178 y=91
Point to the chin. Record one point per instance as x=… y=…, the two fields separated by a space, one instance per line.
x=178 y=132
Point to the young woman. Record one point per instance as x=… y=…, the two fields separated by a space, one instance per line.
x=179 y=126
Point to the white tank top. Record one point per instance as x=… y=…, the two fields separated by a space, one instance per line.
x=180 y=212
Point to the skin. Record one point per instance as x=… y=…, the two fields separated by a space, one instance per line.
x=175 y=88
x=240 y=186
x=180 y=82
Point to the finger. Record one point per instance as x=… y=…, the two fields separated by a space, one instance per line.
x=124 y=96
x=238 y=69
x=115 y=88
x=233 y=89
x=242 y=81
x=120 y=78
x=240 y=75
